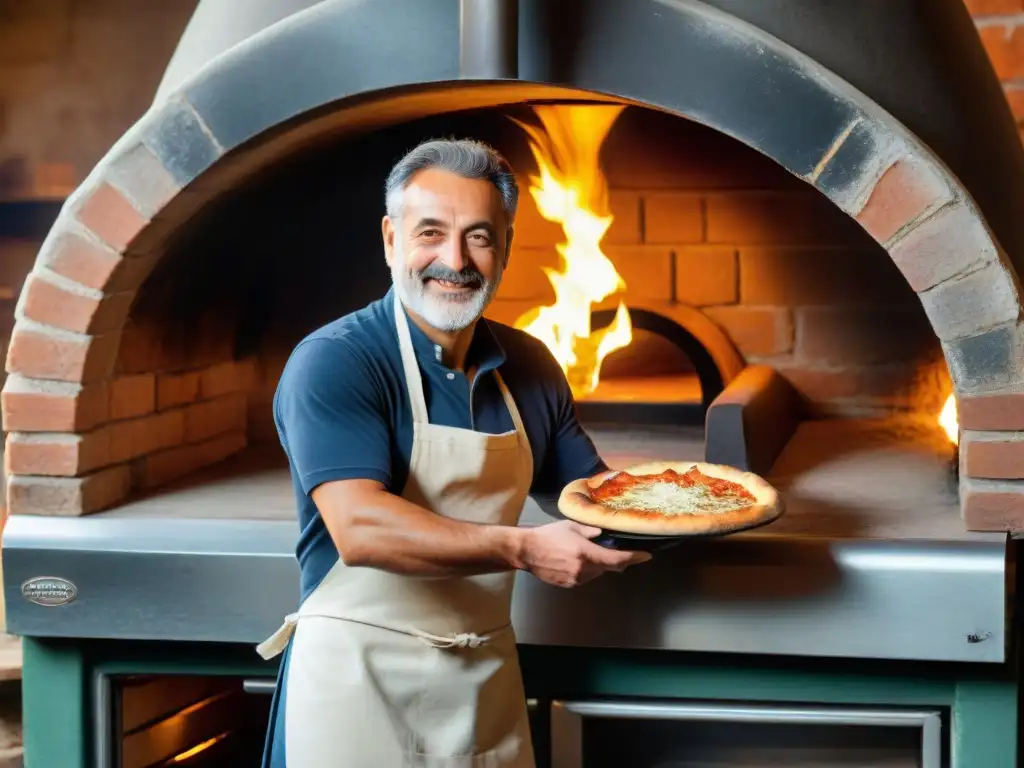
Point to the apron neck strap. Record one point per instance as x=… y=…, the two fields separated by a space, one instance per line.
x=510 y=403
x=413 y=380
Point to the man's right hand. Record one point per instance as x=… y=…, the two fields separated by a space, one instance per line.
x=563 y=554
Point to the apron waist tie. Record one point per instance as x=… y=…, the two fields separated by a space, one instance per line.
x=458 y=640
x=278 y=641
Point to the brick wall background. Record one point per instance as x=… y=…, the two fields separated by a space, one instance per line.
x=795 y=283
x=1001 y=26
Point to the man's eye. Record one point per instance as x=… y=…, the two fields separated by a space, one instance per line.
x=480 y=239
x=430 y=233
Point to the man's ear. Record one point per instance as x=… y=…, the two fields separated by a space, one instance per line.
x=387 y=231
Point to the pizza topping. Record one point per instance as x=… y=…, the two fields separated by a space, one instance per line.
x=672 y=493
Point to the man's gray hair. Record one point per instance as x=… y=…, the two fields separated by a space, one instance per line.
x=465 y=157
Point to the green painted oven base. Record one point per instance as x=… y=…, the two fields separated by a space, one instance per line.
x=59 y=689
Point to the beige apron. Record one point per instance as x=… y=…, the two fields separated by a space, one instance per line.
x=388 y=671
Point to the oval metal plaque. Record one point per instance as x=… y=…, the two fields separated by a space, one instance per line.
x=49 y=591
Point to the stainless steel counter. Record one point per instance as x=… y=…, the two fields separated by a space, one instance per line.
x=870 y=561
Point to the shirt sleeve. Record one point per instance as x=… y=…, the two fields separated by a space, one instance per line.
x=330 y=412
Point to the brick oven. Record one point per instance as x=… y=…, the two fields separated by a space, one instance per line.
x=802 y=251
x=818 y=244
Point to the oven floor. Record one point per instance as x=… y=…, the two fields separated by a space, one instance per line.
x=847 y=479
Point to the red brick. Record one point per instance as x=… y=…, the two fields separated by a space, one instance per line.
x=62 y=306
x=991 y=412
x=79 y=258
x=756 y=331
x=17 y=257
x=973 y=303
x=861 y=336
x=673 y=218
x=531 y=229
x=212 y=417
x=877 y=385
x=43 y=353
x=821 y=276
x=706 y=275
x=989 y=361
x=167 y=466
x=650 y=150
x=54 y=180
x=259 y=424
x=625 y=226
x=34 y=34
x=111 y=217
x=992 y=7
x=778 y=218
x=137 y=437
x=525 y=279
x=992 y=505
x=1015 y=98
x=60 y=496
x=903 y=192
x=55 y=453
x=176 y=389
x=140 y=350
x=952 y=241
x=142 y=179
x=50 y=406
x=1004 y=43
x=646 y=270
x=508 y=311
x=132 y=396
x=216 y=347
x=226 y=378
x=534 y=231
x=992 y=455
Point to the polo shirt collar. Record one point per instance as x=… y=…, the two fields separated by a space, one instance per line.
x=485 y=352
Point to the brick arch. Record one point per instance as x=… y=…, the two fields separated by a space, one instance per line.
x=57 y=401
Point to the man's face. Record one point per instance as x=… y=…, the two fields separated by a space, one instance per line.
x=448 y=247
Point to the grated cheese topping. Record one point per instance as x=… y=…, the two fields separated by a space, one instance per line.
x=673 y=499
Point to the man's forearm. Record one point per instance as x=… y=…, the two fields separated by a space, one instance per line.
x=376 y=529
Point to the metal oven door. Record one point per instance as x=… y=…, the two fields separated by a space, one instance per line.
x=703 y=734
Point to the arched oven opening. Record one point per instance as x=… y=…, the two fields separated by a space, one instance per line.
x=665 y=376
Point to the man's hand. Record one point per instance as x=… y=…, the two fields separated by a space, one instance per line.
x=562 y=554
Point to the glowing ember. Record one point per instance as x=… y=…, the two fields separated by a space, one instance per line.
x=570 y=190
x=197 y=749
x=947 y=420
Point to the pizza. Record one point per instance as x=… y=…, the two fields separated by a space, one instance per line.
x=672 y=499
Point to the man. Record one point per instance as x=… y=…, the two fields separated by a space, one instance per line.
x=415 y=431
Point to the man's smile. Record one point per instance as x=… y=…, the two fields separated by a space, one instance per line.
x=451 y=286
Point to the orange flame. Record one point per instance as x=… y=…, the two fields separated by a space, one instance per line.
x=571 y=190
x=948 y=420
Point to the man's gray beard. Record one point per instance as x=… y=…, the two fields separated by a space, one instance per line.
x=447 y=316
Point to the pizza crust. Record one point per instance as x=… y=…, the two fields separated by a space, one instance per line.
x=576 y=504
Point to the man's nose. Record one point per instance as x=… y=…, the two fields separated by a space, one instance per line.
x=453 y=254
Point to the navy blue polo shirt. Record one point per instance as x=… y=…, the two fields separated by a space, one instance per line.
x=342 y=411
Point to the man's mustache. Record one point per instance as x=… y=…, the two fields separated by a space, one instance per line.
x=468 y=275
